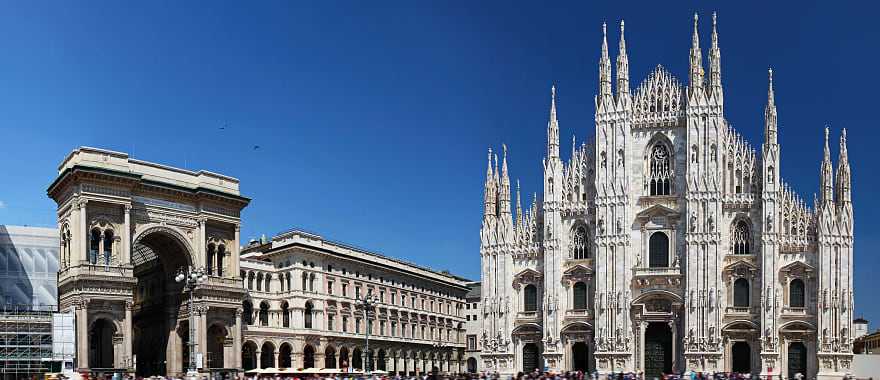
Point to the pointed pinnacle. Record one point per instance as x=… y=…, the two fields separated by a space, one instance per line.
x=604 y=41
x=622 y=39
x=714 y=30
x=827 y=150
x=771 y=97
x=695 y=40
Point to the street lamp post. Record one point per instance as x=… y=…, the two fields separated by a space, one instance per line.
x=191 y=277
x=367 y=305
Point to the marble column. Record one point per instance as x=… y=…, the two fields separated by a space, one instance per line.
x=83 y=247
x=236 y=336
x=126 y=238
x=234 y=252
x=202 y=333
x=127 y=335
x=259 y=360
x=82 y=335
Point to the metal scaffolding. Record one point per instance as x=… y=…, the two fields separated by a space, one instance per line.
x=25 y=341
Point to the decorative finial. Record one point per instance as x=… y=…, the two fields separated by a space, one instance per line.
x=504 y=147
x=604 y=31
x=770 y=74
x=714 y=18
x=843 y=135
x=621 y=27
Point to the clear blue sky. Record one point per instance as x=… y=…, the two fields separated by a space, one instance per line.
x=373 y=118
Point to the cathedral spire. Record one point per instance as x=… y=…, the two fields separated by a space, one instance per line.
x=519 y=212
x=489 y=190
x=553 y=127
x=504 y=187
x=770 y=112
x=622 y=68
x=604 y=68
x=696 y=66
x=715 y=60
x=827 y=181
x=843 y=172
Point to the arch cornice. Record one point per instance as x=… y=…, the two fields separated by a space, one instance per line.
x=143 y=231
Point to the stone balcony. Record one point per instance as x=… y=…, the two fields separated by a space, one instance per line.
x=528 y=317
x=657 y=276
x=741 y=310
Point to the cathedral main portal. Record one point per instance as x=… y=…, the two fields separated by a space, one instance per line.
x=658 y=349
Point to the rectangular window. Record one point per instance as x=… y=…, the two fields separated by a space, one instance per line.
x=357 y=292
x=382 y=296
x=344 y=324
x=330 y=318
x=393 y=328
x=357 y=325
x=330 y=287
x=472 y=342
x=345 y=290
x=381 y=327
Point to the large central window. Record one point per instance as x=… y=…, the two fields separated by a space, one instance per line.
x=579 y=248
x=658 y=255
x=659 y=170
x=741 y=238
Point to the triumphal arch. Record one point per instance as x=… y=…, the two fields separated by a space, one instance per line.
x=127 y=227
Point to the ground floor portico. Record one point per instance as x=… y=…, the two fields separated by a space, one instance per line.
x=285 y=350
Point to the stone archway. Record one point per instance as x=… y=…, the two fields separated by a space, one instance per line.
x=531 y=357
x=249 y=356
x=157 y=254
x=216 y=344
x=101 y=345
x=741 y=357
x=658 y=349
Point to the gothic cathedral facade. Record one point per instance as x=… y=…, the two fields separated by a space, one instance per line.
x=667 y=243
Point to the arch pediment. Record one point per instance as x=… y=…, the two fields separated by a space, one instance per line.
x=526 y=276
x=578 y=327
x=741 y=325
x=657 y=211
x=527 y=328
x=797 y=269
x=798 y=325
x=576 y=273
x=741 y=268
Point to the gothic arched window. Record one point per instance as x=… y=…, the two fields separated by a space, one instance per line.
x=796 y=293
x=307 y=315
x=108 y=246
x=659 y=170
x=741 y=293
x=658 y=246
x=221 y=252
x=530 y=298
x=264 y=314
x=94 y=246
x=741 y=238
x=209 y=259
x=580 y=296
x=579 y=248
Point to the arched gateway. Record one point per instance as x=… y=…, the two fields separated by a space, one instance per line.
x=132 y=226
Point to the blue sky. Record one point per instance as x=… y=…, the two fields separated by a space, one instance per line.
x=373 y=118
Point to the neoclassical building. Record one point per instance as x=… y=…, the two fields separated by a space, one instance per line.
x=302 y=309
x=666 y=242
x=126 y=227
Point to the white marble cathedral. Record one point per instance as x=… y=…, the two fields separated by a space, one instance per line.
x=667 y=243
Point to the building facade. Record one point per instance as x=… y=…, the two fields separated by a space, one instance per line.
x=303 y=309
x=667 y=243
x=126 y=228
x=473 y=327
x=28 y=295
